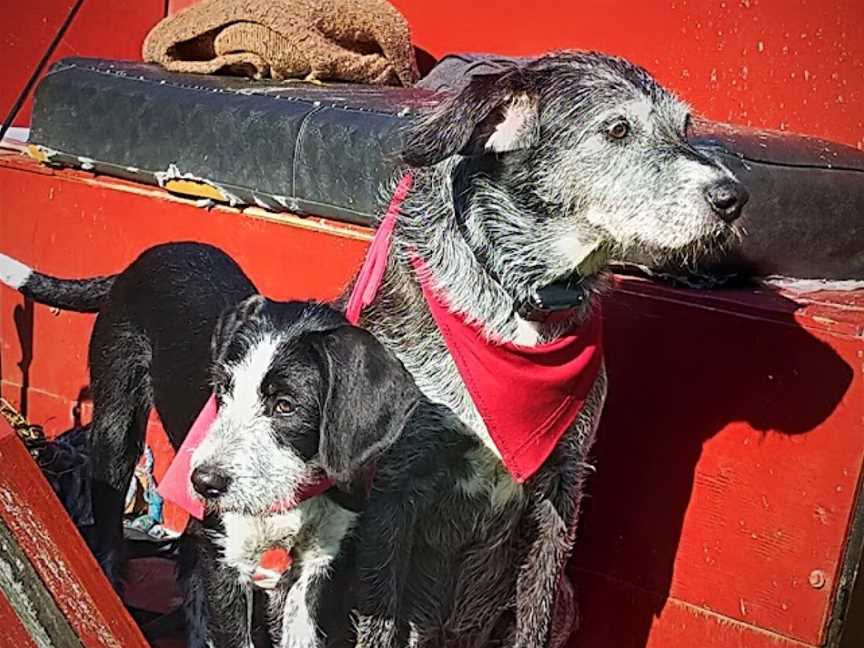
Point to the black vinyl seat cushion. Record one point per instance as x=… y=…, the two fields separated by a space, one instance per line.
x=285 y=146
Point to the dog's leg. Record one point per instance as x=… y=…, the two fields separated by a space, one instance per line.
x=557 y=493
x=538 y=578
x=121 y=404
x=384 y=558
x=194 y=607
x=311 y=569
x=218 y=599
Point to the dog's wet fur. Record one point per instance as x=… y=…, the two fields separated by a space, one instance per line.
x=517 y=179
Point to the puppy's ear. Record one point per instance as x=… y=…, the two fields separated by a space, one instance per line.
x=230 y=321
x=368 y=398
x=494 y=113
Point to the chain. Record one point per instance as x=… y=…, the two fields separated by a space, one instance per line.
x=32 y=435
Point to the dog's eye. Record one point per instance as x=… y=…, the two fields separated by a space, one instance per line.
x=618 y=130
x=219 y=393
x=283 y=406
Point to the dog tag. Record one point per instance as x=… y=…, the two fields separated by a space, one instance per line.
x=273 y=563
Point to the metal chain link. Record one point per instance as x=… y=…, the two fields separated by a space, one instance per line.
x=32 y=435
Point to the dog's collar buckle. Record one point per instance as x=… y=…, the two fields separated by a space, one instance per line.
x=560 y=298
x=551 y=301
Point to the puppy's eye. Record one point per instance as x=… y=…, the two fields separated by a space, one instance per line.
x=219 y=392
x=283 y=406
x=618 y=130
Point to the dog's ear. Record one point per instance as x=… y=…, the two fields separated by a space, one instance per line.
x=230 y=321
x=494 y=113
x=368 y=397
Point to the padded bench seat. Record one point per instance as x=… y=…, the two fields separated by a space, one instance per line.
x=298 y=147
x=325 y=149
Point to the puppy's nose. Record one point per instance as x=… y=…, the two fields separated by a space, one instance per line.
x=209 y=482
x=727 y=198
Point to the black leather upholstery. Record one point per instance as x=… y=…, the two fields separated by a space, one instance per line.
x=325 y=150
x=286 y=146
x=805 y=217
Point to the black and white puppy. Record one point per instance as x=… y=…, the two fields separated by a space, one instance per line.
x=181 y=321
x=302 y=396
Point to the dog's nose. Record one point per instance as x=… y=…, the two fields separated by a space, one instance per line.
x=727 y=198
x=209 y=482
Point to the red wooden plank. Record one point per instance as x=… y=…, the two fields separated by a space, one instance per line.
x=42 y=529
x=785 y=64
x=838 y=313
x=608 y=610
x=14 y=634
x=728 y=460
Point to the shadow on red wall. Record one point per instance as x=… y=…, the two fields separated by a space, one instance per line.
x=678 y=376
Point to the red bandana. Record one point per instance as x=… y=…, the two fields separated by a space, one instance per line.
x=528 y=396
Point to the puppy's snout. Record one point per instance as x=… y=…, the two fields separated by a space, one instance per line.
x=209 y=482
x=727 y=198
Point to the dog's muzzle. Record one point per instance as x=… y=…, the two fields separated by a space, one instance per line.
x=727 y=198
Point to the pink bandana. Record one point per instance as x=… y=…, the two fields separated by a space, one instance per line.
x=175 y=485
x=528 y=396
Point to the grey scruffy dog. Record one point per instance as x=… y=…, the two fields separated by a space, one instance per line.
x=520 y=181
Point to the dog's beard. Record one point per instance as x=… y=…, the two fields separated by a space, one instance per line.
x=711 y=245
x=707 y=248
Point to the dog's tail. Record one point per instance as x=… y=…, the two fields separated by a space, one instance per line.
x=79 y=295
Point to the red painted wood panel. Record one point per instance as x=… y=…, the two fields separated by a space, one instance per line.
x=726 y=476
x=786 y=64
x=103 y=28
x=36 y=519
x=609 y=608
x=13 y=633
x=728 y=456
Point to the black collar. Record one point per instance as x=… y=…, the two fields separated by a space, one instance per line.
x=556 y=298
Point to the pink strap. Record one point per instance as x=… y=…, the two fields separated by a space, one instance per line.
x=175 y=486
x=372 y=271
